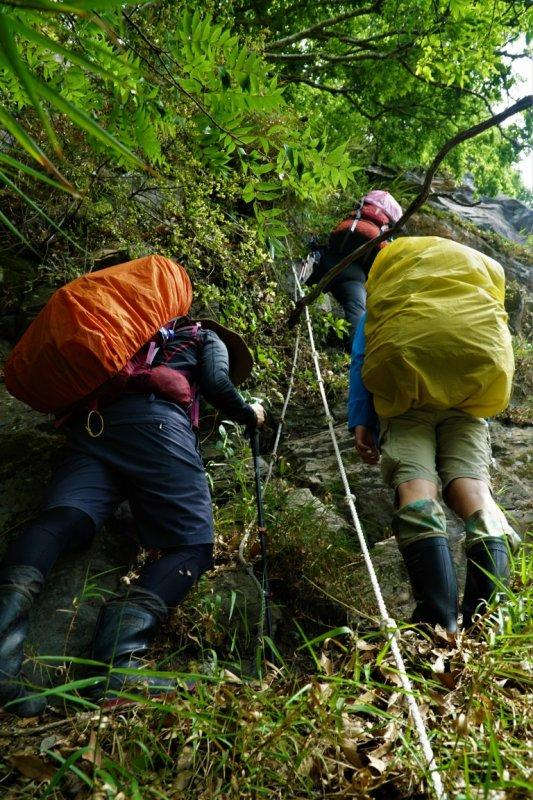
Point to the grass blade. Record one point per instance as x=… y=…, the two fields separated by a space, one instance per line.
x=31 y=147
x=66 y=765
x=33 y=173
x=39 y=210
x=16 y=231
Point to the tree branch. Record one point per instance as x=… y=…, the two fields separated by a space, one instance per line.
x=455 y=88
x=355 y=55
x=326 y=23
x=420 y=199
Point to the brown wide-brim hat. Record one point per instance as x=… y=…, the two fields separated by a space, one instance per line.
x=241 y=360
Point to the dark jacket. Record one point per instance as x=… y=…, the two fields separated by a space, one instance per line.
x=337 y=248
x=207 y=362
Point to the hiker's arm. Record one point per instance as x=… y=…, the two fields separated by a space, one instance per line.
x=215 y=383
x=361 y=412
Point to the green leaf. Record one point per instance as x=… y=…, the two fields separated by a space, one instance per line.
x=51 y=44
x=7 y=39
x=86 y=122
x=74 y=7
x=225 y=77
x=32 y=148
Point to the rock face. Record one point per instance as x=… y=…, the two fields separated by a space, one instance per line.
x=517 y=266
x=506 y=216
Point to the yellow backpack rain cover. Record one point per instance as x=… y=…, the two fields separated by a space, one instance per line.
x=436 y=329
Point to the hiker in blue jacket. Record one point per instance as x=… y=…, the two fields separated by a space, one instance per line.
x=418 y=449
x=141 y=446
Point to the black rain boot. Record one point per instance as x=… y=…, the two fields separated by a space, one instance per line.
x=124 y=631
x=19 y=586
x=433 y=581
x=487 y=556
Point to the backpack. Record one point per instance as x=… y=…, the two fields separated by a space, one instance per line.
x=90 y=329
x=142 y=375
x=374 y=214
x=436 y=329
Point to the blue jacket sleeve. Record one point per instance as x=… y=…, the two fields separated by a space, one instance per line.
x=360 y=404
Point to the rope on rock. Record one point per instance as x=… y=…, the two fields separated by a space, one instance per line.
x=388 y=623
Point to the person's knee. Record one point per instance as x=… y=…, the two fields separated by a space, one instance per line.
x=465 y=496
x=66 y=522
x=203 y=555
x=415 y=490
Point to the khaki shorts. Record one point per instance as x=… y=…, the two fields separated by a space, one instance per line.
x=437 y=446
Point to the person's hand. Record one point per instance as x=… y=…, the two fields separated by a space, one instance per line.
x=260 y=413
x=365 y=446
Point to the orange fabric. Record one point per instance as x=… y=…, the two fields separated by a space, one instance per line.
x=91 y=327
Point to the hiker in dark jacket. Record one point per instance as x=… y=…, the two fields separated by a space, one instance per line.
x=142 y=447
x=376 y=211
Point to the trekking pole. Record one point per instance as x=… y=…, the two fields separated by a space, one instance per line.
x=261 y=531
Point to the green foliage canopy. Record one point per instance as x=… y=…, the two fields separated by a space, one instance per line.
x=290 y=100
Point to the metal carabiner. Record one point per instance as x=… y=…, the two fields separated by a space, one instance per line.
x=88 y=428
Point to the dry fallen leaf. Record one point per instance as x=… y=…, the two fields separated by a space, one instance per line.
x=350 y=752
x=31 y=766
x=325 y=663
x=377 y=763
x=230 y=677
x=439 y=665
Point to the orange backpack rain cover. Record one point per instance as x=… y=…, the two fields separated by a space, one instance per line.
x=91 y=327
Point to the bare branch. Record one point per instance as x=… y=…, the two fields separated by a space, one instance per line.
x=354 y=55
x=395 y=110
x=326 y=23
x=420 y=199
x=514 y=56
x=341 y=90
x=449 y=196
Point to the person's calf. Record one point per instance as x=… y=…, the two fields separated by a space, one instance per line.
x=55 y=531
x=488 y=542
x=176 y=572
x=420 y=529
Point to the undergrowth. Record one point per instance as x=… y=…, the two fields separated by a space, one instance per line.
x=330 y=722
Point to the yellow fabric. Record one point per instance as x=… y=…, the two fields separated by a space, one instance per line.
x=436 y=329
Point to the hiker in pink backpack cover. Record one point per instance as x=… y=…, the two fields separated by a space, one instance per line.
x=375 y=212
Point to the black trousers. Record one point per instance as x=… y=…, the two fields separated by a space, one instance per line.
x=352 y=297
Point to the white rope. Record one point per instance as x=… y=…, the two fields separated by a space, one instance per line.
x=389 y=624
